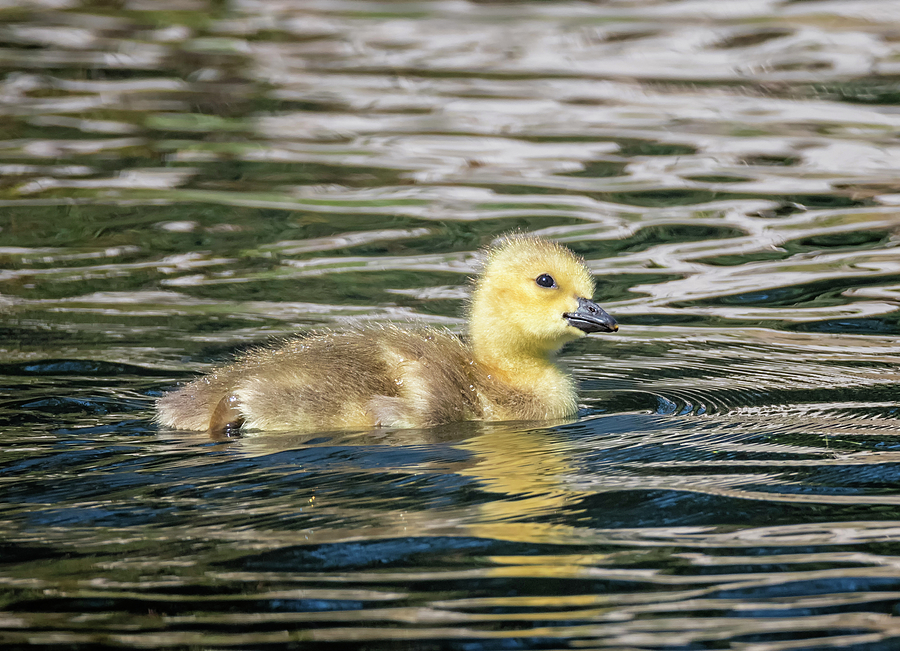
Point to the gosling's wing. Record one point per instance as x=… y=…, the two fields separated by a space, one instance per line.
x=434 y=377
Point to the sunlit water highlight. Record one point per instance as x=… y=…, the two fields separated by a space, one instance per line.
x=181 y=180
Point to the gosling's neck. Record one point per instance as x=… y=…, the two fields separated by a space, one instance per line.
x=518 y=358
x=516 y=361
x=523 y=375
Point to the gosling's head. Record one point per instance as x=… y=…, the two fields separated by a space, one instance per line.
x=532 y=297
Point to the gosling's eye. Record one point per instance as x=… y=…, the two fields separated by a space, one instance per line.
x=545 y=280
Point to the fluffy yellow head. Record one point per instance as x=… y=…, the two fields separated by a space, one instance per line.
x=532 y=297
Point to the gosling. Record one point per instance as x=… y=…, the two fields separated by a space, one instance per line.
x=532 y=297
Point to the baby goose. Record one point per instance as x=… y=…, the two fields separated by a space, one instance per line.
x=532 y=297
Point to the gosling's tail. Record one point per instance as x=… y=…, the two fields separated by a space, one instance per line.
x=190 y=407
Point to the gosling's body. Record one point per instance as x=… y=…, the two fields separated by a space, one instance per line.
x=366 y=377
x=532 y=298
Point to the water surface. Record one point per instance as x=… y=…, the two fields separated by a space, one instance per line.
x=180 y=180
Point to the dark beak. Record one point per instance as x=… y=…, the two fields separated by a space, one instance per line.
x=590 y=317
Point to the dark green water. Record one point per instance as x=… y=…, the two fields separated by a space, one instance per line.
x=182 y=179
